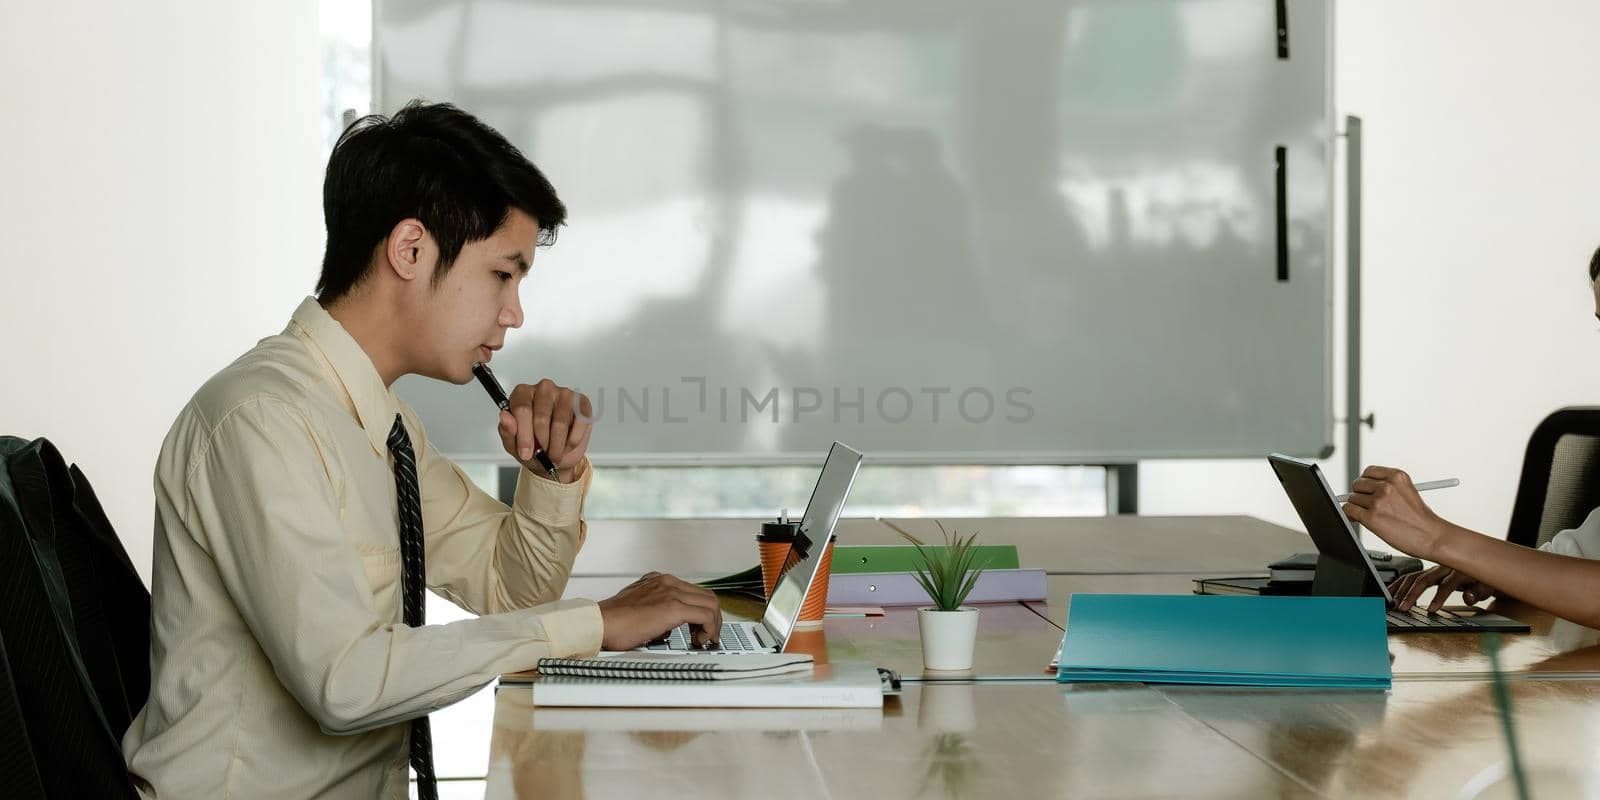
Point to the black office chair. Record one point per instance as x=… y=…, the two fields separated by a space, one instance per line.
x=19 y=768
x=74 y=632
x=1560 y=481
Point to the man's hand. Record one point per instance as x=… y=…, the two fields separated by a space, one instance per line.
x=1407 y=588
x=1386 y=502
x=655 y=604
x=548 y=416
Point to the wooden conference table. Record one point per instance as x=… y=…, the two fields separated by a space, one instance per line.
x=1007 y=729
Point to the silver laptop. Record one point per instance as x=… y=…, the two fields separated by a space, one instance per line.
x=771 y=633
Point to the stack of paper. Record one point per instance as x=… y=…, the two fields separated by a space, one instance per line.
x=1244 y=641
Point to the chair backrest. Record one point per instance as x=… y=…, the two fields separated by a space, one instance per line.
x=110 y=606
x=1560 y=481
x=17 y=761
x=74 y=626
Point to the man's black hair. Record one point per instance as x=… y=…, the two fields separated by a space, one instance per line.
x=433 y=162
x=1594 y=265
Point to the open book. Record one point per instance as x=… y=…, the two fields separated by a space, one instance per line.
x=666 y=666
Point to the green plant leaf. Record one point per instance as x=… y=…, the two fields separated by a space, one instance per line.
x=966 y=587
x=947 y=574
x=927 y=585
x=927 y=558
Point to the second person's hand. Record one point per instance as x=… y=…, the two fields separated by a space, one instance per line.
x=1387 y=503
x=1408 y=588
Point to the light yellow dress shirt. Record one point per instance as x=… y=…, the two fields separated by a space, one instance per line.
x=280 y=664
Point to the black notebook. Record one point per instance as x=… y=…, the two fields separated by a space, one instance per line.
x=1264 y=586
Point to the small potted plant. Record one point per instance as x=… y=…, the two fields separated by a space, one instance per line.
x=948 y=573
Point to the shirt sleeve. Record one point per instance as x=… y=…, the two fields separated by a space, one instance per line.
x=1582 y=541
x=264 y=506
x=487 y=557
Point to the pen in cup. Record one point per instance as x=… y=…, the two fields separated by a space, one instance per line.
x=1421 y=487
x=498 y=395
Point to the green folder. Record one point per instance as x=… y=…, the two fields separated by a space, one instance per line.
x=852 y=559
x=1339 y=642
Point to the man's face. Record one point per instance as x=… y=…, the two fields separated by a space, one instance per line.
x=1595 y=287
x=466 y=316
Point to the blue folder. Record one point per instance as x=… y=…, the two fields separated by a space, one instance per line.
x=1339 y=642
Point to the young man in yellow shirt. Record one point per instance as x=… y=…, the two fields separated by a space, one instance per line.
x=301 y=509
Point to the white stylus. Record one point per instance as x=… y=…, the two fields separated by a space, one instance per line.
x=1421 y=487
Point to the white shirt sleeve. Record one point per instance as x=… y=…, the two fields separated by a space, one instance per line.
x=1582 y=541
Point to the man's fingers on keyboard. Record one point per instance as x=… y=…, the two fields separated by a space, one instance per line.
x=705 y=613
x=703 y=637
x=701 y=620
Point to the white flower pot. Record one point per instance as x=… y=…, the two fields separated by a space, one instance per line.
x=948 y=637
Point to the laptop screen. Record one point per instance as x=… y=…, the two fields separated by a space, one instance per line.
x=822 y=513
x=1343 y=567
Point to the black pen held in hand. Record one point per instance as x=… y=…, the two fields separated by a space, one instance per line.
x=498 y=395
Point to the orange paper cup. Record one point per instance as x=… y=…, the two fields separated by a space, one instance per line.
x=776 y=559
x=817 y=598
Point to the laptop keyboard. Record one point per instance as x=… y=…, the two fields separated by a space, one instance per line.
x=733 y=638
x=1417 y=619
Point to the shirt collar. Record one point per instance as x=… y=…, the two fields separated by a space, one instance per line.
x=375 y=404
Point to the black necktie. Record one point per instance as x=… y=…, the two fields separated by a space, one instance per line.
x=411 y=583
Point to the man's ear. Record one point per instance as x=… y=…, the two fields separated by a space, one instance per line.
x=409 y=249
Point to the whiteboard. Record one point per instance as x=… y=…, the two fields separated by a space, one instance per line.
x=940 y=231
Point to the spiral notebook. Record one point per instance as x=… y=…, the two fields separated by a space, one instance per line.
x=832 y=685
x=665 y=666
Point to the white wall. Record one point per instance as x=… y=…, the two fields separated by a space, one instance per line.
x=160 y=212
x=1482 y=207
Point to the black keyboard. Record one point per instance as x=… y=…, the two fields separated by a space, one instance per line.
x=1416 y=619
